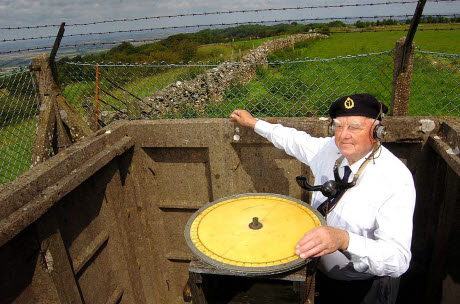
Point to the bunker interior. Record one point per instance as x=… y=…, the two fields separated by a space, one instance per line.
x=103 y=220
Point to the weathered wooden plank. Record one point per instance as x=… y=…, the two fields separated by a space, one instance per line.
x=56 y=261
x=81 y=259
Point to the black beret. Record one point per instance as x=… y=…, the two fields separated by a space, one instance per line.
x=358 y=105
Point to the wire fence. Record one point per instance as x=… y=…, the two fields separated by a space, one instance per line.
x=103 y=93
x=435 y=87
x=19 y=106
x=273 y=88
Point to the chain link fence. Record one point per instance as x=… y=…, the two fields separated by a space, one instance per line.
x=274 y=88
x=103 y=93
x=435 y=88
x=19 y=105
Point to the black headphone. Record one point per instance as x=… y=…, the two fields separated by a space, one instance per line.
x=379 y=131
x=330 y=188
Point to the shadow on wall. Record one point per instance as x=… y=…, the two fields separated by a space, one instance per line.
x=259 y=166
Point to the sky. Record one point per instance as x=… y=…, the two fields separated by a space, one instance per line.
x=19 y=13
x=35 y=12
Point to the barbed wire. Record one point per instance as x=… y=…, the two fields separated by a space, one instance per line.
x=156 y=40
x=226 y=24
x=222 y=12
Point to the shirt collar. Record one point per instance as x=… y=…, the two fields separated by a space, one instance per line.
x=355 y=167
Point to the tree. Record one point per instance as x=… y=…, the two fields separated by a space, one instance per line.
x=360 y=24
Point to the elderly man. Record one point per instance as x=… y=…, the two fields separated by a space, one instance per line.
x=365 y=246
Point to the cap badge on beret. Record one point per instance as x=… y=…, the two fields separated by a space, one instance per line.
x=349 y=103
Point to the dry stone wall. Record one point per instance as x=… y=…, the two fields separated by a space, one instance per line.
x=209 y=87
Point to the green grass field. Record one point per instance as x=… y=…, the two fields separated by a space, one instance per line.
x=16 y=148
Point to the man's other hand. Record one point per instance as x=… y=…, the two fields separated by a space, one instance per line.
x=244 y=118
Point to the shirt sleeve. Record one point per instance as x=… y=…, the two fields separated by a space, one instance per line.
x=389 y=253
x=298 y=144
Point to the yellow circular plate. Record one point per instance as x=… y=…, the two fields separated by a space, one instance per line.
x=223 y=233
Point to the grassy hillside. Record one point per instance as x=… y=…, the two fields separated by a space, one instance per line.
x=342 y=44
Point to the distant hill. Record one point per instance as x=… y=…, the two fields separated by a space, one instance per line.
x=183 y=47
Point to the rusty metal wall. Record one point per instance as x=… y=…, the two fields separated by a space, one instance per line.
x=103 y=221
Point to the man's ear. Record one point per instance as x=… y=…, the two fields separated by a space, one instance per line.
x=331 y=129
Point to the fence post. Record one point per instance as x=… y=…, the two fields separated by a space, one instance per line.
x=402 y=78
x=58 y=123
x=403 y=66
x=47 y=115
x=96 y=111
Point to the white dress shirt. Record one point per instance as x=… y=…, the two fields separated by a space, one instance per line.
x=377 y=212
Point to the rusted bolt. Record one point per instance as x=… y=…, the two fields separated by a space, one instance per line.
x=255 y=224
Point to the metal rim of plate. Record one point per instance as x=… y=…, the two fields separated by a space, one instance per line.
x=249 y=271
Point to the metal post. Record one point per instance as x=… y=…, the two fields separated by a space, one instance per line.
x=411 y=33
x=57 y=42
x=97 y=97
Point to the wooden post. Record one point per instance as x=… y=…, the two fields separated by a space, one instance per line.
x=47 y=116
x=402 y=78
x=59 y=123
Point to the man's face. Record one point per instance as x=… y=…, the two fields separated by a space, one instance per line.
x=353 y=136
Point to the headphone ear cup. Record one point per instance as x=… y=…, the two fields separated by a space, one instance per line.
x=332 y=127
x=379 y=132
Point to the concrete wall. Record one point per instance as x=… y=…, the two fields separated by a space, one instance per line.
x=103 y=221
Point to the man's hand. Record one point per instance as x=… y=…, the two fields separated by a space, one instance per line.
x=322 y=240
x=243 y=118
